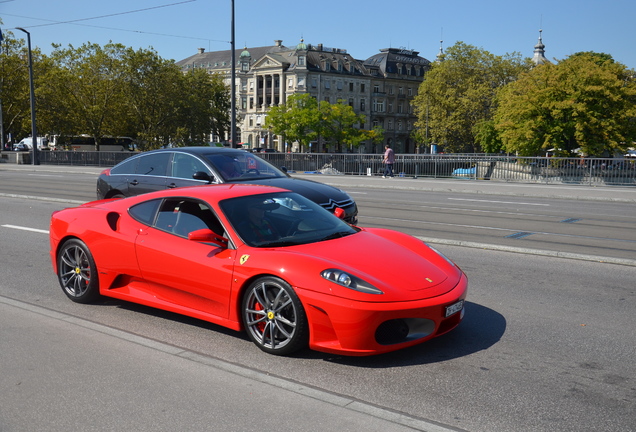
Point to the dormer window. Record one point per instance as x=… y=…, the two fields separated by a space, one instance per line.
x=301 y=60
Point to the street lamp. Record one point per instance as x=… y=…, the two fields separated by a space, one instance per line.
x=34 y=131
x=233 y=87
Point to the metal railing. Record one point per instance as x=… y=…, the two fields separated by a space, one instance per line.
x=581 y=171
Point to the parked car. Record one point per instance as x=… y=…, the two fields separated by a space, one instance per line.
x=187 y=166
x=260 y=259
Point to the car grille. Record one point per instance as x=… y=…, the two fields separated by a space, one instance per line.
x=396 y=331
x=332 y=204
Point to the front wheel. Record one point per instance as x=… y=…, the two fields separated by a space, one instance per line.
x=274 y=317
x=77 y=272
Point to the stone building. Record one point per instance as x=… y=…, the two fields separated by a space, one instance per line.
x=381 y=87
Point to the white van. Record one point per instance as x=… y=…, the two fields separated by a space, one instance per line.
x=27 y=144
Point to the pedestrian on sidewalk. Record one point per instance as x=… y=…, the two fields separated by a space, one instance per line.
x=388 y=160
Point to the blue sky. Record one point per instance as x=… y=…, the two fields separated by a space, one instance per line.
x=176 y=30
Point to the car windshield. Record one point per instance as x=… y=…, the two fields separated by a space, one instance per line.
x=282 y=219
x=242 y=166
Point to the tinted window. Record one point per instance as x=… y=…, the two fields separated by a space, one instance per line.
x=155 y=164
x=182 y=216
x=145 y=212
x=243 y=166
x=126 y=167
x=185 y=165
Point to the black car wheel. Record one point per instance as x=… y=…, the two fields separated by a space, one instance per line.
x=77 y=272
x=274 y=317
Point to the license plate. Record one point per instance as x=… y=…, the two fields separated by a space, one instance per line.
x=454 y=308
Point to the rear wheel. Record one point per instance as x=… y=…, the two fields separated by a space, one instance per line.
x=274 y=317
x=77 y=272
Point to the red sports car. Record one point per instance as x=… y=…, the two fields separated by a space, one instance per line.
x=260 y=259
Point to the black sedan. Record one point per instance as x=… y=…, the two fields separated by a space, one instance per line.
x=188 y=166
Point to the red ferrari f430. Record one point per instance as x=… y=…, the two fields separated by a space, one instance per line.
x=262 y=260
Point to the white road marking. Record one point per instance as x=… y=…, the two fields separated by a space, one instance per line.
x=500 y=202
x=26 y=229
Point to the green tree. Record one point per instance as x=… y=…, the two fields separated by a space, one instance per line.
x=206 y=106
x=339 y=125
x=86 y=91
x=459 y=92
x=14 y=85
x=153 y=95
x=296 y=120
x=585 y=102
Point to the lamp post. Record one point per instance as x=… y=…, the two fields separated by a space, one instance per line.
x=233 y=87
x=34 y=131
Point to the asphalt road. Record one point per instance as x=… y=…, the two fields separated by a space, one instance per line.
x=547 y=343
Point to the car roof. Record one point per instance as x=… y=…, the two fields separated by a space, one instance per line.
x=215 y=192
x=200 y=150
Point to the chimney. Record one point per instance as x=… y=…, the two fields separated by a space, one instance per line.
x=201 y=50
x=278 y=42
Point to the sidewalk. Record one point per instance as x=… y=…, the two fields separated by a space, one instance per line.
x=62 y=373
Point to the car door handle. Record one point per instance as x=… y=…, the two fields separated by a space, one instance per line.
x=172 y=186
x=134 y=182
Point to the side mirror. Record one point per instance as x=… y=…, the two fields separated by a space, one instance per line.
x=202 y=175
x=206 y=235
x=340 y=213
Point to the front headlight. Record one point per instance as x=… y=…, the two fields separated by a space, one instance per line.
x=350 y=281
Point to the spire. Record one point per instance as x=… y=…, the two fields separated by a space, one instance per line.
x=440 y=54
x=539 y=52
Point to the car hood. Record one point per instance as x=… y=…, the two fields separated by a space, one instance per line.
x=315 y=191
x=406 y=269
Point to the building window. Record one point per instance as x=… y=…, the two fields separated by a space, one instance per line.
x=400 y=108
x=410 y=91
x=314 y=83
x=378 y=105
x=301 y=82
x=376 y=88
x=400 y=91
x=389 y=125
x=390 y=90
x=339 y=85
x=327 y=99
x=327 y=84
x=363 y=104
x=245 y=66
x=350 y=86
x=390 y=107
x=301 y=60
x=351 y=102
x=244 y=102
x=362 y=87
x=399 y=125
x=290 y=83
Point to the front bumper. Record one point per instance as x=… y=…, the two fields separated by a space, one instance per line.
x=355 y=328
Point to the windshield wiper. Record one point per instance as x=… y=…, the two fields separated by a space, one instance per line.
x=336 y=235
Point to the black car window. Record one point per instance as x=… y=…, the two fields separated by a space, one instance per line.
x=182 y=216
x=185 y=165
x=145 y=212
x=155 y=164
x=126 y=167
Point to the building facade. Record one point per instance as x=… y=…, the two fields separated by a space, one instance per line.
x=381 y=88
